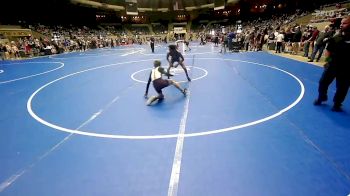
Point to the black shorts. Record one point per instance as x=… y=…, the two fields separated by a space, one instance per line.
x=175 y=60
x=159 y=84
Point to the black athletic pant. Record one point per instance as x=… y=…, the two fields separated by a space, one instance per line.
x=342 y=85
x=279 y=47
x=152 y=47
x=326 y=79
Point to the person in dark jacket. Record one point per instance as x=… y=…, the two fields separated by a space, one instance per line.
x=152 y=44
x=337 y=57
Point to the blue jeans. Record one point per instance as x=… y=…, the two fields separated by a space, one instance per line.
x=319 y=49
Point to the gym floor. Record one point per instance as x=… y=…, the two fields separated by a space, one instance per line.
x=77 y=124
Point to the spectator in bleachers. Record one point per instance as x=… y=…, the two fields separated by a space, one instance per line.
x=296 y=40
x=224 y=43
x=288 y=38
x=279 y=41
x=309 y=39
x=14 y=50
x=2 y=52
x=259 y=40
x=216 y=40
x=312 y=40
x=231 y=35
x=7 y=51
x=320 y=43
x=246 y=40
x=271 y=40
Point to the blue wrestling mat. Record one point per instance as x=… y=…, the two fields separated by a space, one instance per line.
x=77 y=124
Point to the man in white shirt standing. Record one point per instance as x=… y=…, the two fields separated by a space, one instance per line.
x=279 y=41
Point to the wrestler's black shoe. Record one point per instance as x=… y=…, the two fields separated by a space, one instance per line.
x=189 y=79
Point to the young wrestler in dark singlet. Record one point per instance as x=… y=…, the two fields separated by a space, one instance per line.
x=175 y=56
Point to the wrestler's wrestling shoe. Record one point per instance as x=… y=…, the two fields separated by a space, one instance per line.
x=151 y=100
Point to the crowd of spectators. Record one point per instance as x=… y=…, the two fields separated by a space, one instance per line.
x=327 y=15
x=159 y=29
x=278 y=33
x=139 y=30
x=59 y=39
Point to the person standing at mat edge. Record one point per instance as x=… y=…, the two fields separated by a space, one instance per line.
x=175 y=56
x=337 y=66
x=159 y=83
x=152 y=44
x=187 y=43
